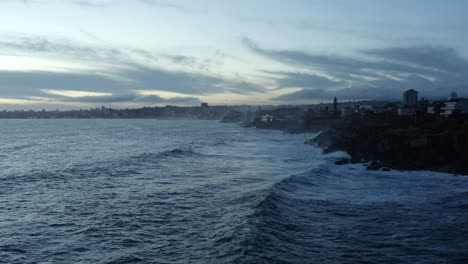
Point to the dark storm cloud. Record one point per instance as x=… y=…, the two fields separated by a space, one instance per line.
x=351 y=93
x=378 y=73
x=182 y=59
x=188 y=83
x=241 y=87
x=174 y=100
x=382 y=89
x=437 y=58
x=118 y=98
x=64 y=49
x=30 y=83
x=333 y=63
x=126 y=98
x=61 y=48
x=298 y=79
x=181 y=82
x=300 y=58
x=126 y=74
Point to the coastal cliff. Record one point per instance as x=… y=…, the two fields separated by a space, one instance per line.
x=404 y=144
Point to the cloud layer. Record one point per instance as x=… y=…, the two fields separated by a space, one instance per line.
x=372 y=74
x=134 y=53
x=119 y=72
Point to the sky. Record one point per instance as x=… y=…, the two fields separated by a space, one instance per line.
x=72 y=54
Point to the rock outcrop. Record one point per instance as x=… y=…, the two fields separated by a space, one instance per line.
x=417 y=147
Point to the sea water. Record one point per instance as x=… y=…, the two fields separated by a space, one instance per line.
x=152 y=191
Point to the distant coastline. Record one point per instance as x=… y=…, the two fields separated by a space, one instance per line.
x=203 y=112
x=376 y=134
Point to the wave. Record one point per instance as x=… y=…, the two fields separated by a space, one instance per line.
x=321 y=216
x=178 y=152
x=456 y=200
x=110 y=168
x=21 y=147
x=268 y=233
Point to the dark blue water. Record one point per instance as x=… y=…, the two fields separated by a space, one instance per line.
x=148 y=191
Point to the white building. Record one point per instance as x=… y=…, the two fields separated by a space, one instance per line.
x=453 y=106
x=267 y=118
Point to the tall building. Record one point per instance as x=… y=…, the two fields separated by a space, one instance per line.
x=335 y=107
x=410 y=98
x=453 y=96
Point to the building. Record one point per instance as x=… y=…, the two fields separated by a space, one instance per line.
x=410 y=103
x=335 y=107
x=432 y=110
x=267 y=118
x=204 y=105
x=410 y=98
x=366 y=107
x=455 y=106
x=407 y=111
x=453 y=96
x=347 y=111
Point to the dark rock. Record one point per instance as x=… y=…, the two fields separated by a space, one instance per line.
x=386 y=169
x=323 y=140
x=342 y=161
x=375 y=165
x=399 y=143
x=356 y=159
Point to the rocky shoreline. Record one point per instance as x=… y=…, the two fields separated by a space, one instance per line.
x=383 y=141
x=394 y=146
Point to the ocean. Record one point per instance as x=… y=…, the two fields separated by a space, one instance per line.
x=153 y=191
